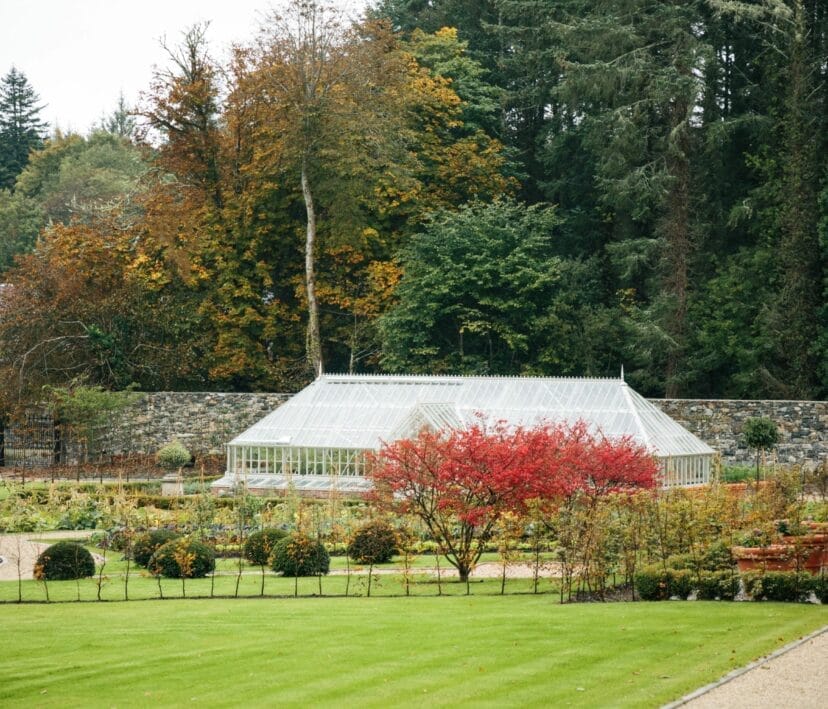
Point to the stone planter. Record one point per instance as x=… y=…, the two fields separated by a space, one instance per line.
x=172 y=485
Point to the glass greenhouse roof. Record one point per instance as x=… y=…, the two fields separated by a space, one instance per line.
x=361 y=411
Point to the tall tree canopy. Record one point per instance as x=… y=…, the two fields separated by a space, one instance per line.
x=684 y=145
x=21 y=128
x=503 y=186
x=71 y=178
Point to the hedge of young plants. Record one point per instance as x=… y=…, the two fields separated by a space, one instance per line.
x=656 y=584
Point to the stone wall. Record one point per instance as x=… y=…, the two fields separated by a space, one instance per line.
x=803 y=426
x=202 y=421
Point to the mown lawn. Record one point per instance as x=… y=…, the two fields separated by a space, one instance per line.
x=478 y=650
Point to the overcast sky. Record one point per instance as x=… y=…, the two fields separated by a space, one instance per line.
x=80 y=54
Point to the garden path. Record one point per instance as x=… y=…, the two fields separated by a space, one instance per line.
x=795 y=677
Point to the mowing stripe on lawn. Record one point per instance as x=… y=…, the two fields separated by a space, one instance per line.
x=479 y=650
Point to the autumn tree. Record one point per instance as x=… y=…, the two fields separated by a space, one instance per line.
x=328 y=120
x=75 y=310
x=462 y=482
x=183 y=106
x=72 y=178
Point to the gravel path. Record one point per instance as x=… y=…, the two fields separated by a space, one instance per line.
x=796 y=677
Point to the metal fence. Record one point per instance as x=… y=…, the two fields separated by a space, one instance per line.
x=36 y=440
x=31 y=441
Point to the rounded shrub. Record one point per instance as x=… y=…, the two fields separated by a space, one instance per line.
x=116 y=539
x=183 y=558
x=64 y=561
x=374 y=543
x=259 y=546
x=682 y=562
x=145 y=545
x=173 y=456
x=299 y=555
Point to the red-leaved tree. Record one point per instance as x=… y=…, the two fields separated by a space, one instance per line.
x=461 y=482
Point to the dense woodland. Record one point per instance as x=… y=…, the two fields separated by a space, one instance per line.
x=469 y=186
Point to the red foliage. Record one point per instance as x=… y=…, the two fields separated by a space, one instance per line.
x=460 y=482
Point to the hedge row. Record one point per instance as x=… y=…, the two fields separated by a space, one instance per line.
x=659 y=584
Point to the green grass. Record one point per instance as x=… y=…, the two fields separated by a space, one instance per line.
x=481 y=651
x=738 y=473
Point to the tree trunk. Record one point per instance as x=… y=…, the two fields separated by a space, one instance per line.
x=799 y=298
x=676 y=228
x=314 y=342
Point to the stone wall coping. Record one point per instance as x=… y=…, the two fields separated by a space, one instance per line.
x=649 y=398
x=763 y=402
x=216 y=393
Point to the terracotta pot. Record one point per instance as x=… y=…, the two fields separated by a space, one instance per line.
x=774 y=557
x=739 y=489
x=812 y=549
x=807 y=552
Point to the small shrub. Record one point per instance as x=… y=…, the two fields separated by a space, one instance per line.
x=784 y=586
x=119 y=539
x=820 y=587
x=259 y=546
x=718 y=585
x=299 y=555
x=147 y=544
x=116 y=539
x=681 y=583
x=652 y=584
x=682 y=562
x=718 y=557
x=173 y=456
x=183 y=558
x=375 y=543
x=64 y=561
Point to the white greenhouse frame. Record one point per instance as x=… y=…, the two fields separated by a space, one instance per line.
x=318 y=439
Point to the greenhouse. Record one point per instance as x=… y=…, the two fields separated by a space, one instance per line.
x=317 y=441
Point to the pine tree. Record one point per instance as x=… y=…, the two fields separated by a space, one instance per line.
x=21 y=128
x=121 y=121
